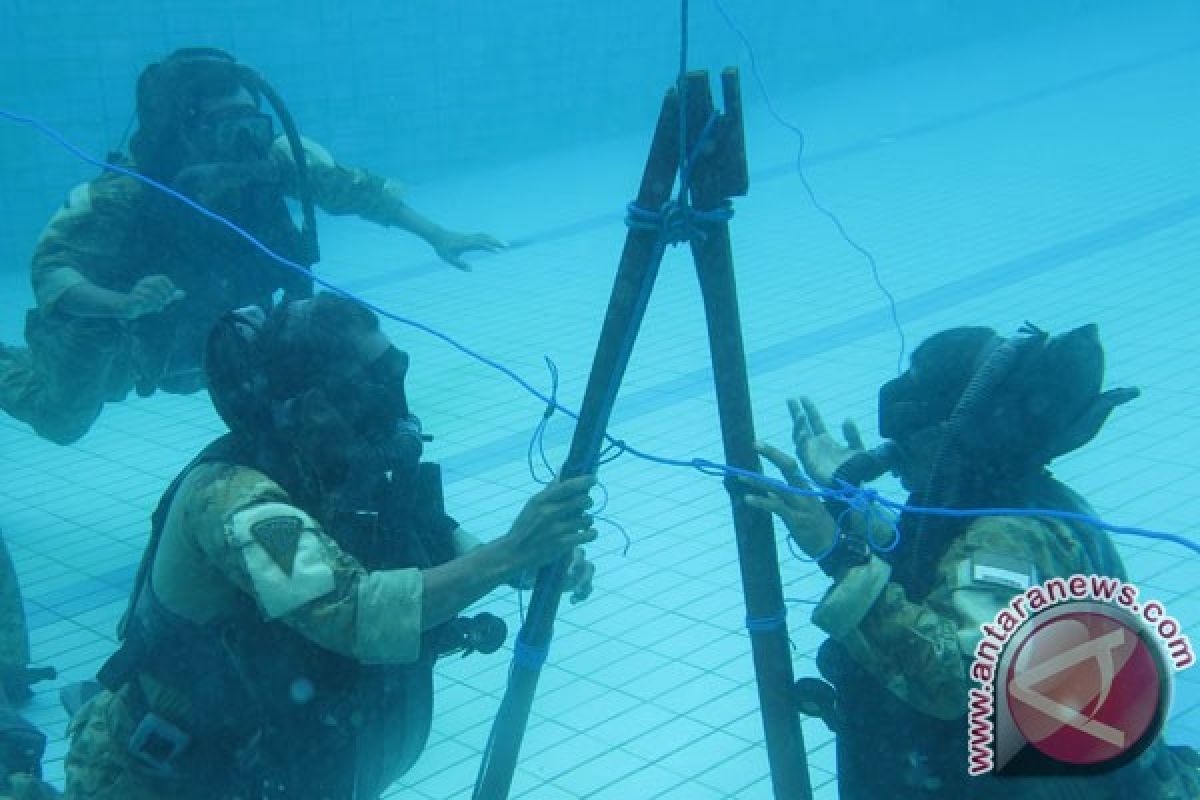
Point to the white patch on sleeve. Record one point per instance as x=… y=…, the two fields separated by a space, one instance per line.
x=276 y=591
x=388 y=624
x=994 y=569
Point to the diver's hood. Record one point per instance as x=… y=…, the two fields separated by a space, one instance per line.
x=167 y=94
x=1043 y=401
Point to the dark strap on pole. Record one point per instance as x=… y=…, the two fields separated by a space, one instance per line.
x=638 y=270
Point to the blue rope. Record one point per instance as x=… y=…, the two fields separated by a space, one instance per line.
x=860 y=497
x=768 y=624
x=678 y=221
x=619 y=528
x=685 y=169
x=812 y=195
x=538 y=440
x=528 y=657
x=617 y=447
x=864 y=500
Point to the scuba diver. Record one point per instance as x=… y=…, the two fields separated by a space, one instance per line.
x=973 y=423
x=300 y=580
x=128 y=280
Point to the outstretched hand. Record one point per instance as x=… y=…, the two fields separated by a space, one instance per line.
x=451 y=246
x=818 y=451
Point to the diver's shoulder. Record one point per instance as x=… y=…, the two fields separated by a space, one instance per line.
x=223 y=488
x=1045 y=540
x=109 y=191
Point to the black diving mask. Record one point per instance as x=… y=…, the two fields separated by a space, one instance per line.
x=373 y=399
x=903 y=408
x=238 y=133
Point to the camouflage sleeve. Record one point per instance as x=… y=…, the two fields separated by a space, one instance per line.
x=339 y=189
x=86 y=240
x=244 y=526
x=922 y=651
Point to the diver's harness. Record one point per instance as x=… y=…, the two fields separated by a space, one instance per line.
x=269 y=709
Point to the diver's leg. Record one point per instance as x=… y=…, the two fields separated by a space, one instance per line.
x=72 y=367
x=98 y=764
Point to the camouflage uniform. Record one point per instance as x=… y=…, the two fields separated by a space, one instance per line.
x=234 y=551
x=891 y=656
x=114 y=231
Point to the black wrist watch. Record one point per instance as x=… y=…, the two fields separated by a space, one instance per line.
x=851 y=549
x=848 y=552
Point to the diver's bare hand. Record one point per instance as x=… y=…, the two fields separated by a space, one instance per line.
x=151 y=294
x=816 y=448
x=450 y=247
x=579 y=576
x=577 y=580
x=807 y=522
x=553 y=523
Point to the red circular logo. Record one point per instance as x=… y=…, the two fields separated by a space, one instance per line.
x=1085 y=688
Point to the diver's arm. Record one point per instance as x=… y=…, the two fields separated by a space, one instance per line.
x=451 y=587
x=85 y=299
x=339 y=189
x=85 y=244
x=449 y=245
x=922 y=651
x=464 y=541
x=296 y=573
x=912 y=648
x=83 y=249
x=551 y=524
x=407 y=218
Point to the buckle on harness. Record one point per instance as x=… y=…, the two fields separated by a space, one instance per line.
x=157 y=744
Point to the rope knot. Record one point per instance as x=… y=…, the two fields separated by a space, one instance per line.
x=676 y=221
